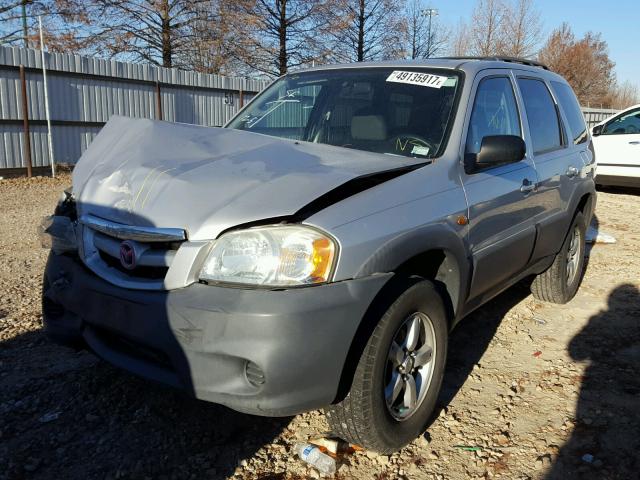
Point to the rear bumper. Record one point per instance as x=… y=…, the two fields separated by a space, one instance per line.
x=256 y=351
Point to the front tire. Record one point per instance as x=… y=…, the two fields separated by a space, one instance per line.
x=399 y=374
x=559 y=283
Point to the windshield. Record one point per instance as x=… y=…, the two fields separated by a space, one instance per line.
x=399 y=112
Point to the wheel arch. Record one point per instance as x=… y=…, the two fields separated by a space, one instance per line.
x=584 y=200
x=435 y=254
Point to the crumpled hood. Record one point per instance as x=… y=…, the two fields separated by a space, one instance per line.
x=205 y=180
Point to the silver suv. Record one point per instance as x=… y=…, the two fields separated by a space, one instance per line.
x=317 y=251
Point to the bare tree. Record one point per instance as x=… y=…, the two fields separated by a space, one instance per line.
x=460 y=40
x=154 y=31
x=368 y=30
x=522 y=26
x=622 y=95
x=216 y=29
x=64 y=24
x=426 y=37
x=280 y=34
x=584 y=63
x=486 y=36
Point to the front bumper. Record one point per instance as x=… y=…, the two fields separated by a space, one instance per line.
x=263 y=352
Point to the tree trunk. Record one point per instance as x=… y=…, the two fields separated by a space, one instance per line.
x=414 y=36
x=25 y=30
x=167 y=50
x=282 y=31
x=361 y=32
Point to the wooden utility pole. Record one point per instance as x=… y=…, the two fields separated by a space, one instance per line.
x=159 y=101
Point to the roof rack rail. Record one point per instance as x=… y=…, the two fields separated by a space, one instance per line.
x=500 y=58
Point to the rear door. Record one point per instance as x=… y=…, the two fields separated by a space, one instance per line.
x=502 y=199
x=559 y=155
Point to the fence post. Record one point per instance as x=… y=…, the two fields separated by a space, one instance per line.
x=159 y=100
x=25 y=121
x=241 y=98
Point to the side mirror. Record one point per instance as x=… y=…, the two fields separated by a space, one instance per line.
x=496 y=150
x=597 y=130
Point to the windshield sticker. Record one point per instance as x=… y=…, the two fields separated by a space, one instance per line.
x=420 y=150
x=417 y=78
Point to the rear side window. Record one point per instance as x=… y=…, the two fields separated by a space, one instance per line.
x=494 y=112
x=571 y=108
x=542 y=115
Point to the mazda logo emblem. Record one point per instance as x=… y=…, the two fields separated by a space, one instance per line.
x=128 y=255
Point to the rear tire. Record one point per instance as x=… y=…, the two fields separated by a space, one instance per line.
x=559 y=283
x=399 y=374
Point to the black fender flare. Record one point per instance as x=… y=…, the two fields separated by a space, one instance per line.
x=436 y=237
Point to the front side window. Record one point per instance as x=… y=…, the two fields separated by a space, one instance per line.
x=627 y=123
x=494 y=112
x=571 y=108
x=542 y=115
x=380 y=110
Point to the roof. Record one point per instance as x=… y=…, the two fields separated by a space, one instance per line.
x=469 y=65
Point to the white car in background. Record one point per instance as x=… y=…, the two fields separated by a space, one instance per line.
x=617 y=146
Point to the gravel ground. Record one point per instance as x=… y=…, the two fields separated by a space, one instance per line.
x=537 y=391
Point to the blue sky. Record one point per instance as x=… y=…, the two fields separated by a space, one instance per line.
x=619 y=23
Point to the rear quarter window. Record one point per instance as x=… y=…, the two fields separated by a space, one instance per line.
x=571 y=108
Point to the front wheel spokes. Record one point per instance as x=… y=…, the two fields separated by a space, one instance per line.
x=393 y=389
x=410 y=392
x=423 y=356
x=396 y=354
x=413 y=334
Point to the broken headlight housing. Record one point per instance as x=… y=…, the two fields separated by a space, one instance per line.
x=58 y=231
x=272 y=256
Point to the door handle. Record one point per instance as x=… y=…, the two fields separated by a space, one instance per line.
x=572 y=172
x=528 y=186
x=635 y=142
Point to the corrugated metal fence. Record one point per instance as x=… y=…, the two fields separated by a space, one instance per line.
x=593 y=116
x=84 y=92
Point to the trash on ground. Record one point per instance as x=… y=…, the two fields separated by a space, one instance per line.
x=596 y=236
x=334 y=446
x=468 y=448
x=537 y=353
x=539 y=320
x=314 y=456
x=49 y=417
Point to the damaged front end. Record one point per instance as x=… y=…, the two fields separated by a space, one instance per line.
x=58 y=232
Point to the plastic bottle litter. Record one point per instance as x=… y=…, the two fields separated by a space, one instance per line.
x=313 y=455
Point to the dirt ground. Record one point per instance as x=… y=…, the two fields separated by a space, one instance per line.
x=532 y=391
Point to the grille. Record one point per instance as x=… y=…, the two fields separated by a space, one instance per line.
x=141 y=271
x=132 y=348
x=154 y=250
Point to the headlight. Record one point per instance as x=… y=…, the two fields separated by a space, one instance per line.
x=273 y=256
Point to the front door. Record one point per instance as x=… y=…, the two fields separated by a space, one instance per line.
x=502 y=204
x=618 y=146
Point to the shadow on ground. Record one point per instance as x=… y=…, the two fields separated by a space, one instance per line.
x=618 y=190
x=471 y=338
x=606 y=442
x=65 y=414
